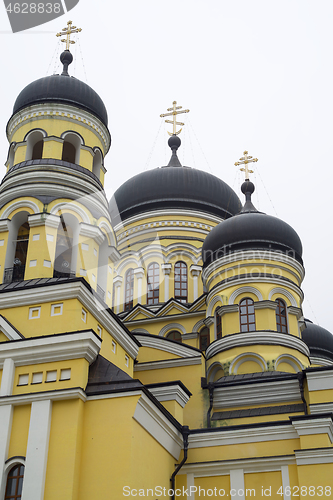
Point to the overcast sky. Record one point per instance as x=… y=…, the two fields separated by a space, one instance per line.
x=255 y=74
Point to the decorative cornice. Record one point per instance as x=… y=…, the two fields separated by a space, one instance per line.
x=319 y=381
x=195 y=270
x=61 y=112
x=166 y=268
x=44 y=219
x=170 y=393
x=230 y=308
x=4 y=225
x=318 y=408
x=57 y=395
x=257 y=338
x=162 y=344
x=314 y=456
x=311 y=426
x=168 y=363
x=57 y=347
x=93 y=232
x=265 y=304
x=139 y=272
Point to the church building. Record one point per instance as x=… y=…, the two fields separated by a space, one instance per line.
x=153 y=345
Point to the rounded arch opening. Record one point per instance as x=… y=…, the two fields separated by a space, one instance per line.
x=35 y=144
x=14 y=482
x=17 y=247
x=71 y=147
x=66 y=246
x=97 y=163
x=174 y=335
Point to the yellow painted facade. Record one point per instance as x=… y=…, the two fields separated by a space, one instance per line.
x=130 y=366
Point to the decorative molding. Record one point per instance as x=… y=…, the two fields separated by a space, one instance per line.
x=166 y=268
x=317 y=408
x=195 y=270
x=57 y=347
x=69 y=205
x=285 y=293
x=162 y=344
x=19 y=204
x=243 y=358
x=170 y=393
x=44 y=219
x=233 y=308
x=244 y=289
x=139 y=272
x=311 y=426
x=209 y=321
x=282 y=391
x=4 y=225
x=290 y=360
x=8 y=329
x=213 y=303
x=172 y=326
x=320 y=381
x=61 y=112
x=316 y=360
x=314 y=456
x=93 y=232
x=57 y=395
x=265 y=304
x=257 y=434
x=256 y=338
x=158 y=426
x=168 y=363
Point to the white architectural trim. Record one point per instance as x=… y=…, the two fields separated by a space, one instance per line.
x=243 y=358
x=4 y=225
x=308 y=427
x=171 y=326
x=320 y=381
x=44 y=219
x=158 y=426
x=213 y=369
x=162 y=344
x=290 y=360
x=285 y=482
x=109 y=233
x=57 y=395
x=244 y=289
x=8 y=329
x=321 y=408
x=242 y=436
x=170 y=393
x=56 y=347
x=67 y=205
x=237 y=484
x=7 y=380
x=19 y=204
x=314 y=457
x=37 y=450
x=72 y=290
x=257 y=338
x=168 y=363
x=284 y=293
x=6 y=419
x=212 y=303
x=282 y=391
x=248 y=465
x=91 y=232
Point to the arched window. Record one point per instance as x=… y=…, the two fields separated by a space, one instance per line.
x=153 y=283
x=181 y=282
x=35 y=142
x=129 y=287
x=218 y=323
x=281 y=316
x=64 y=250
x=97 y=163
x=204 y=339
x=174 y=335
x=68 y=152
x=246 y=315
x=37 y=151
x=14 y=483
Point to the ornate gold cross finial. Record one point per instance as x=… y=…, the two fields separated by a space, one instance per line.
x=245 y=160
x=174 y=112
x=67 y=32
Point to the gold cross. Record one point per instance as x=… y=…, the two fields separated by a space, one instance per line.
x=245 y=160
x=174 y=113
x=68 y=31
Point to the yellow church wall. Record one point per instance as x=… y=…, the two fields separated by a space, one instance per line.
x=175 y=409
x=230 y=323
x=52 y=148
x=293 y=475
x=265 y=319
x=315 y=441
x=64 y=456
x=19 y=432
x=151 y=354
x=78 y=377
x=244 y=450
x=86 y=159
x=88 y=261
x=56 y=127
x=180 y=483
x=3 y=338
x=41 y=250
x=3 y=250
x=319 y=476
x=118 y=452
x=324 y=396
x=269 y=481
x=155 y=326
x=20 y=153
x=221 y=483
x=195 y=411
x=254 y=420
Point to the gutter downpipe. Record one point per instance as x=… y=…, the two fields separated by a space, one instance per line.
x=185 y=432
x=211 y=399
x=301 y=377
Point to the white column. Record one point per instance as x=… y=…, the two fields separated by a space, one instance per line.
x=117 y=281
x=190 y=483
x=6 y=418
x=195 y=273
x=166 y=268
x=37 y=450
x=139 y=273
x=7 y=379
x=237 y=484
x=285 y=481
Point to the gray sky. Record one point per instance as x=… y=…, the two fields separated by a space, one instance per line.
x=256 y=75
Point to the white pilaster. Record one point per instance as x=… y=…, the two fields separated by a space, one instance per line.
x=7 y=380
x=190 y=483
x=117 y=281
x=195 y=272
x=6 y=418
x=166 y=268
x=139 y=273
x=285 y=481
x=37 y=450
x=237 y=484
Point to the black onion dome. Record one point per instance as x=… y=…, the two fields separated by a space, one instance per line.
x=173 y=187
x=251 y=230
x=62 y=89
x=319 y=341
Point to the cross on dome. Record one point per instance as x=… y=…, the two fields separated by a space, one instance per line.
x=174 y=111
x=67 y=32
x=245 y=160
